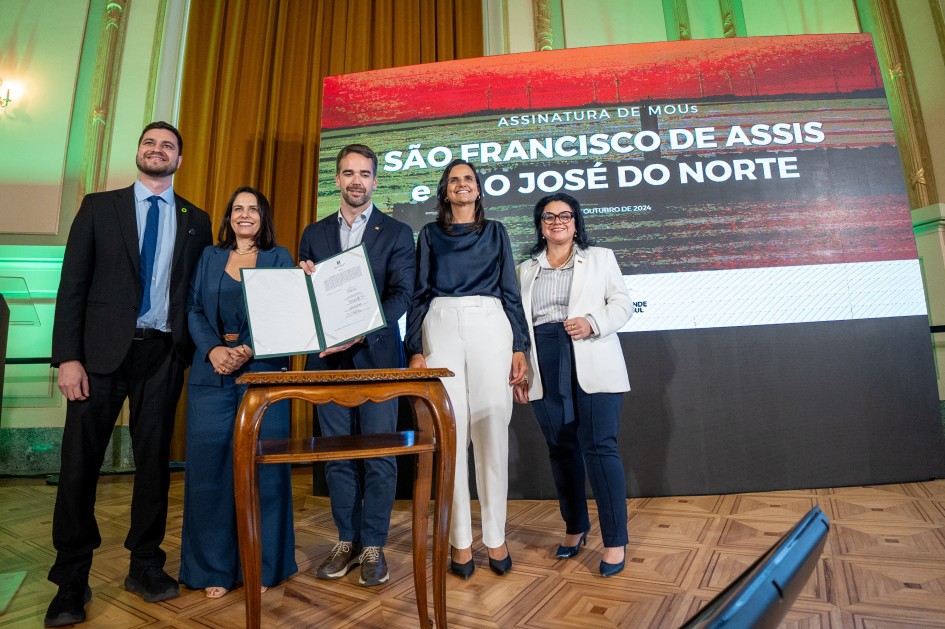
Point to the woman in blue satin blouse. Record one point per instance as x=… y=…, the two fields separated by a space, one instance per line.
x=466 y=315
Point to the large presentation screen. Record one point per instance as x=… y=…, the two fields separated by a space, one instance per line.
x=740 y=181
x=752 y=192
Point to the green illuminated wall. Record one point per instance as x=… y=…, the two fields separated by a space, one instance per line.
x=46 y=160
x=35 y=127
x=82 y=81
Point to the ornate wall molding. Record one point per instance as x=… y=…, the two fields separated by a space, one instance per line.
x=679 y=14
x=938 y=20
x=544 y=31
x=727 y=8
x=155 y=69
x=903 y=97
x=111 y=43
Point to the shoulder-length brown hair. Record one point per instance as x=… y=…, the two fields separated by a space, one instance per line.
x=265 y=237
x=444 y=212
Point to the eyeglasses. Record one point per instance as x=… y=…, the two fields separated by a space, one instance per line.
x=549 y=219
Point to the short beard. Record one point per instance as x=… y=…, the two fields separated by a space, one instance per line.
x=350 y=200
x=166 y=171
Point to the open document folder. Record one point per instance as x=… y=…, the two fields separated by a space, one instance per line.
x=293 y=313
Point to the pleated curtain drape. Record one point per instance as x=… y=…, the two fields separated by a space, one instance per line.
x=251 y=94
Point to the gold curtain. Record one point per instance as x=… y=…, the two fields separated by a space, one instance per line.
x=252 y=87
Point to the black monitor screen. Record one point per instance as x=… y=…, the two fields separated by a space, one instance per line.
x=762 y=595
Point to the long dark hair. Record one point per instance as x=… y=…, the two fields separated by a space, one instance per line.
x=444 y=212
x=265 y=237
x=580 y=235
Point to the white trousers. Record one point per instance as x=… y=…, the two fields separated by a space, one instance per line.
x=471 y=336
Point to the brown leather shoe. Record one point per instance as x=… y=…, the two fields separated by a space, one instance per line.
x=339 y=562
x=373 y=566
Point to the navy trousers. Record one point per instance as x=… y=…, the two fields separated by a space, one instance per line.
x=209 y=554
x=362 y=514
x=360 y=506
x=585 y=447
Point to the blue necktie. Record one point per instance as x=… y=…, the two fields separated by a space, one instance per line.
x=148 y=251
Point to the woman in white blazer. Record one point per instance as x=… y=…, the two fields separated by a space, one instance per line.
x=575 y=300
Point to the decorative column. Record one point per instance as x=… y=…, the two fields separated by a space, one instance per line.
x=938 y=19
x=903 y=100
x=544 y=32
x=111 y=43
x=928 y=223
x=733 y=19
x=676 y=18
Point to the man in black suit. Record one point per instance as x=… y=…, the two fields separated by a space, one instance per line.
x=362 y=518
x=120 y=332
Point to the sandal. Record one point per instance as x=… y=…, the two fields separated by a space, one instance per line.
x=215 y=591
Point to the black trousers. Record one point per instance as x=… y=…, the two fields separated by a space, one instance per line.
x=150 y=378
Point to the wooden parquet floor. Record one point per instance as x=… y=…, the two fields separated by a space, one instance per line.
x=883 y=566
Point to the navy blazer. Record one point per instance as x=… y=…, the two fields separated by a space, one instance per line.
x=97 y=302
x=202 y=311
x=390 y=248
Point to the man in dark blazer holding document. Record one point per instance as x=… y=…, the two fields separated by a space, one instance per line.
x=362 y=520
x=120 y=332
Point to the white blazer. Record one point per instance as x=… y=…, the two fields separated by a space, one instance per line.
x=598 y=289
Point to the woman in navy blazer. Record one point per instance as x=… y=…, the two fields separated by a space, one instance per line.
x=575 y=300
x=219 y=327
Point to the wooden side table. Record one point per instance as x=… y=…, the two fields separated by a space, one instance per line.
x=433 y=440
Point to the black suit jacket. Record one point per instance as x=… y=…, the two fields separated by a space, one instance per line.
x=99 y=291
x=391 y=250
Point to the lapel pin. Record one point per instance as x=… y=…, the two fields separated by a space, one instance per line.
x=183 y=210
x=377 y=228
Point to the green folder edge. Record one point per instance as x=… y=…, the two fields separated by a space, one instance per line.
x=315 y=314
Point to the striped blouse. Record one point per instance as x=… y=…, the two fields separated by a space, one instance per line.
x=551 y=292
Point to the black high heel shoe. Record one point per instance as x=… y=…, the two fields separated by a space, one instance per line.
x=501 y=566
x=610 y=569
x=462 y=570
x=566 y=552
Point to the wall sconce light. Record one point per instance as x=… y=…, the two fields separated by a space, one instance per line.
x=9 y=92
